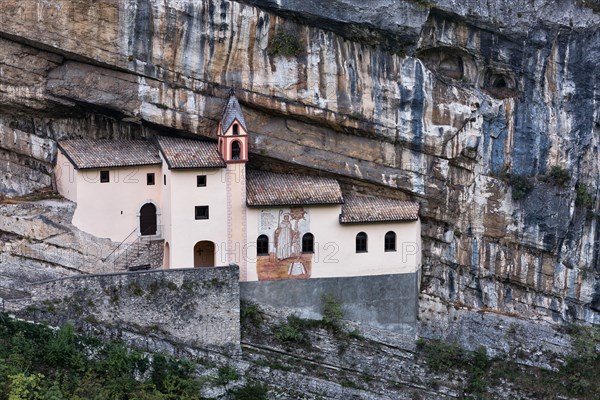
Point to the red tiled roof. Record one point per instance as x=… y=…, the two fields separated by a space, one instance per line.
x=272 y=189
x=103 y=153
x=361 y=208
x=189 y=153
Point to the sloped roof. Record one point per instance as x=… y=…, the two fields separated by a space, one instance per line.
x=189 y=153
x=104 y=153
x=272 y=189
x=231 y=112
x=361 y=208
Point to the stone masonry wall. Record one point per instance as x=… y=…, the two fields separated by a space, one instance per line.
x=193 y=307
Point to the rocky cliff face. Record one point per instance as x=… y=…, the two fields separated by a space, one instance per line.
x=484 y=112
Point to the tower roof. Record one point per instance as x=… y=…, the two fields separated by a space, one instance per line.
x=231 y=112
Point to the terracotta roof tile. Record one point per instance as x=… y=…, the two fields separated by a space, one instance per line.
x=190 y=153
x=232 y=111
x=271 y=189
x=103 y=153
x=360 y=208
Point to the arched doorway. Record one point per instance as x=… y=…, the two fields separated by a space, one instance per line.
x=204 y=254
x=148 y=219
x=167 y=256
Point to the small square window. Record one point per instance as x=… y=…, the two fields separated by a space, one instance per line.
x=201 y=180
x=150 y=179
x=104 y=176
x=201 y=212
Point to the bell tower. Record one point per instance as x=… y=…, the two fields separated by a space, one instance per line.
x=232 y=132
x=233 y=146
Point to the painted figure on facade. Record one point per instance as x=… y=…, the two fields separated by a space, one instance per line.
x=284 y=236
x=285 y=260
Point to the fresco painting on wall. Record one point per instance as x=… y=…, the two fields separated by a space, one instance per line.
x=285 y=229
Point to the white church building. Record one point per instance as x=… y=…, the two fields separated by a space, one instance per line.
x=198 y=198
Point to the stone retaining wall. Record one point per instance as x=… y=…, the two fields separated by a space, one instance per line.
x=193 y=307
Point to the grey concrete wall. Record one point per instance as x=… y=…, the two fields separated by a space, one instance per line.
x=193 y=307
x=383 y=301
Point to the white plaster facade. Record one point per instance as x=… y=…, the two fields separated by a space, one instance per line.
x=112 y=209
x=334 y=245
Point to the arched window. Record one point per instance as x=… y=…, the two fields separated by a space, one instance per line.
x=235 y=150
x=236 y=129
x=361 y=242
x=390 y=241
x=308 y=243
x=262 y=245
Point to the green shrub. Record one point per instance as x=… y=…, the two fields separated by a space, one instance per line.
x=226 y=375
x=64 y=365
x=136 y=289
x=61 y=349
x=440 y=355
x=581 y=367
x=443 y=357
x=25 y=387
x=521 y=186
x=54 y=392
x=331 y=309
x=355 y=334
x=560 y=175
x=252 y=391
x=20 y=354
x=250 y=313
x=188 y=285
x=584 y=198
x=479 y=364
x=285 y=44
x=291 y=331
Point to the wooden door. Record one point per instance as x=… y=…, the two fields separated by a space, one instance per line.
x=148 y=219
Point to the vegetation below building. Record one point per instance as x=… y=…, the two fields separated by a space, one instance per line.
x=38 y=362
x=577 y=378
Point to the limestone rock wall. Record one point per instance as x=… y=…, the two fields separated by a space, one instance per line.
x=458 y=106
x=39 y=243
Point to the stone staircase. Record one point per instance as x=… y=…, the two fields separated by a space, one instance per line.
x=141 y=254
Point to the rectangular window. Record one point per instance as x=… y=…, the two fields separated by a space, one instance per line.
x=165 y=180
x=104 y=176
x=201 y=180
x=201 y=212
x=150 y=179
